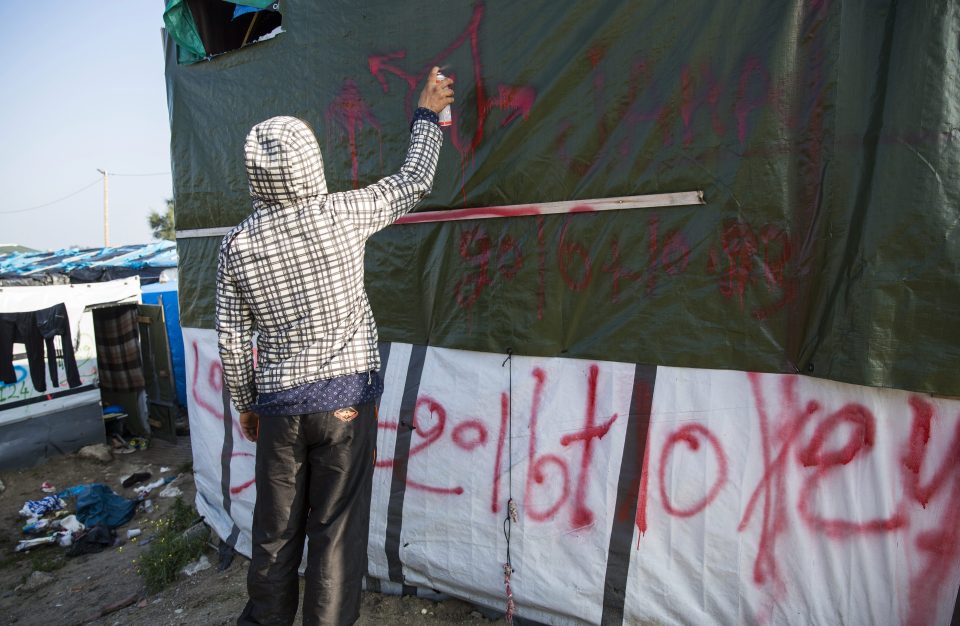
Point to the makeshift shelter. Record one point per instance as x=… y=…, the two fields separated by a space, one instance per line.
x=123 y=356
x=685 y=299
x=50 y=396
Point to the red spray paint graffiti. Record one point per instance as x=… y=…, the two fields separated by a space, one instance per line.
x=822 y=445
x=516 y=100
x=350 y=112
x=690 y=435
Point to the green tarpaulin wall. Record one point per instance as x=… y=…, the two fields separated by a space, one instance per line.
x=824 y=135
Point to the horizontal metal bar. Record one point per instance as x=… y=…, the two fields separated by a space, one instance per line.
x=649 y=201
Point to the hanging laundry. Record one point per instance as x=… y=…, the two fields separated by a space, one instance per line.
x=36 y=330
x=118 y=349
x=21 y=328
x=53 y=322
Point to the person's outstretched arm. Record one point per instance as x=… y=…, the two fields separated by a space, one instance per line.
x=380 y=204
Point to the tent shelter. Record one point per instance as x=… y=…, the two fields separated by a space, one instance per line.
x=685 y=299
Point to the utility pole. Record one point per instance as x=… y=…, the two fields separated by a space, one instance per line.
x=106 y=209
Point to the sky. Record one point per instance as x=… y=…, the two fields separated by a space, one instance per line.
x=82 y=89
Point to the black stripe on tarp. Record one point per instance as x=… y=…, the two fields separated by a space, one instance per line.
x=373 y=583
x=398 y=482
x=956 y=610
x=384 y=348
x=47 y=396
x=226 y=456
x=628 y=488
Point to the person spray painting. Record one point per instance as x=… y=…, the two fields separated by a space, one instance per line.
x=293 y=272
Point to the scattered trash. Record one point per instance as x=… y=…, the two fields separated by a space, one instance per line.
x=71 y=491
x=94 y=540
x=178 y=611
x=143 y=490
x=36 y=527
x=423 y=611
x=148 y=505
x=133 y=532
x=96 y=452
x=39 y=508
x=135 y=478
x=149 y=538
x=71 y=524
x=2 y=487
x=197 y=529
x=47 y=487
x=35 y=581
x=171 y=492
x=98 y=504
x=138 y=443
x=164 y=470
x=142 y=604
x=197 y=566
x=26 y=544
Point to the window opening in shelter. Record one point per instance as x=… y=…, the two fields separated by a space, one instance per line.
x=206 y=28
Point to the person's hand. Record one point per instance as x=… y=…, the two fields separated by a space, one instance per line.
x=250 y=424
x=436 y=95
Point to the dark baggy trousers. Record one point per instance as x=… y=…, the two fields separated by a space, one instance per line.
x=314 y=475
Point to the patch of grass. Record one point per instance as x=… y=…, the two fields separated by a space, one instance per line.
x=170 y=550
x=9 y=560
x=47 y=561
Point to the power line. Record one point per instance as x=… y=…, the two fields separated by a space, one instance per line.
x=153 y=174
x=96 y=182
x=46 y=204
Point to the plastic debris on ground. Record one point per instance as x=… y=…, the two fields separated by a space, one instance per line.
x=47 y=487
x=36 y=526
x=39 y=508
x=135 y=478
x=143 y=490
x=71 y=524
x=93 y=540
x=133 y=532
x=171 y=492
x=98 y=504
x=197 y=566
x=26 y=544
x=164 y=469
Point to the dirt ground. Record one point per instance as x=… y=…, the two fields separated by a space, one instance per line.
x=81 y=587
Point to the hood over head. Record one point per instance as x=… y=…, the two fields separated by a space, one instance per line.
x=283 y=160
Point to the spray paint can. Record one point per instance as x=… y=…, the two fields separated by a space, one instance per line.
x=446 y=118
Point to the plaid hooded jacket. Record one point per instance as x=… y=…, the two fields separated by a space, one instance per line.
x=293 y=269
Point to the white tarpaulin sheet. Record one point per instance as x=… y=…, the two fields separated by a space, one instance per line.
x=643 y=494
